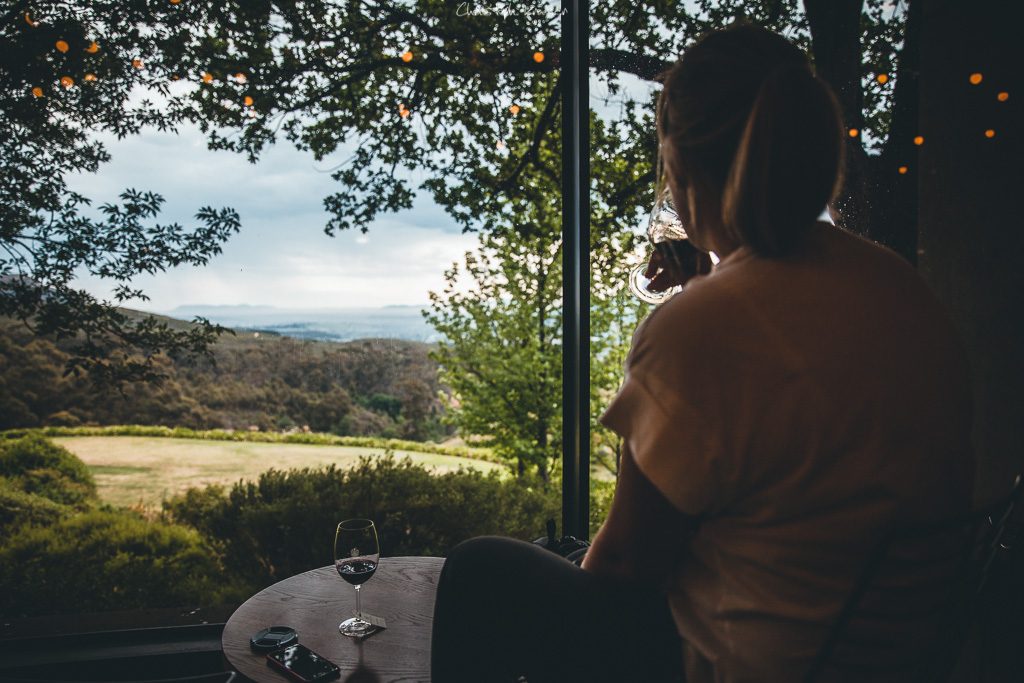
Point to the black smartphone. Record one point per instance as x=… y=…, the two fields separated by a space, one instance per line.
x=302 y=664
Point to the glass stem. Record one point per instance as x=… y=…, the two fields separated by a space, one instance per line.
x=359 y=612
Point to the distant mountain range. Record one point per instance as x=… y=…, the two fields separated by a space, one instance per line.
x=329 y=324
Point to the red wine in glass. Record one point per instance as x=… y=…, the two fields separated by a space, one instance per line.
x=356 y=572
x=356 y=556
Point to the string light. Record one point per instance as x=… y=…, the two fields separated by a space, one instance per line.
x=93 y=48
x=990 y=133
x=538 y=57
x=975 y=78
x=882 y=78
x=1003 y=96
x=514 y=109
x=137 y=63
x=403 y=113
x=67 y=81
x=207 y=77
x=61 y=45
x=90 y=77
x=853 y=132
x=407 y=56
x=919 y=140
x=37 y=91
x=248 y=101
x=902 y=170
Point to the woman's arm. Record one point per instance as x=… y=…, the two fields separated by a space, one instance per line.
x=645 y=536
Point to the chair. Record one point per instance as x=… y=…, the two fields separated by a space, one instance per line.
x=1002 y=536
x=914 y=582
x=1000 y=587
x=925 y=580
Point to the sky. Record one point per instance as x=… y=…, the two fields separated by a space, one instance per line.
x=281 y=257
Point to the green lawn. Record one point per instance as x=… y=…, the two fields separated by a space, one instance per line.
x=132 y=470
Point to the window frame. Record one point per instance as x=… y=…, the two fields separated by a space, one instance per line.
x=575 y=70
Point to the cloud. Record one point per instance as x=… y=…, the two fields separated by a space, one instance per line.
x=281 y=256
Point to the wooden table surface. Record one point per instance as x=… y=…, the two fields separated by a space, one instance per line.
x=315 y=602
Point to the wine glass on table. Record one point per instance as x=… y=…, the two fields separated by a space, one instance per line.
x=673 y=259
x=356 y=555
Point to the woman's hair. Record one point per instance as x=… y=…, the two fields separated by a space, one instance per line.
x=752 y=131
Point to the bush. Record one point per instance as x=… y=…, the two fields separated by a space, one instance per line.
x=285 y=522
x=36 y=465
x=18 y=508
x=104 y=560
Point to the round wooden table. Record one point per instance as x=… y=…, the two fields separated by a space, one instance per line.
x=315 y=602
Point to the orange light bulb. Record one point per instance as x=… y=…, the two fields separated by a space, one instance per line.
x=853 y=132
x=407 y=56
x=67 y=81
x=975 y=78
x=29 y=21
x=403 y=113
x=248 y=101
x=240 y=77
x=61 y=45
x=1003 y=96
x=514 y=109
x=37 y=91
x=207 y=77
x=538 y=57
x=919 y=140
x=902 y=170
x=882 y=78
x=990 y=133
x=137 y=63
x=90 y=77
x=93 y=48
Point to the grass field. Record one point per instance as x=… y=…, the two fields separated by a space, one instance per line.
x=133 y=470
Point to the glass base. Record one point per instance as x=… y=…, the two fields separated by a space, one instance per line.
x=638 y=286
x=355 y=627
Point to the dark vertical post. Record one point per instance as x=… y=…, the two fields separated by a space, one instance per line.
x=575 y=71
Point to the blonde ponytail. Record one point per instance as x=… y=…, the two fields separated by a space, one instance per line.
x=786 y=167
x=753 y=133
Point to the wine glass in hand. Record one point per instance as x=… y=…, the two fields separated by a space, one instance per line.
x=673 y=259
x=356 y=554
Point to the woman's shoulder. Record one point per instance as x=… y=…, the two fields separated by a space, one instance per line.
x=691 y=323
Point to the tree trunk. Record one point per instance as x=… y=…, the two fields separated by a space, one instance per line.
x=876 y=201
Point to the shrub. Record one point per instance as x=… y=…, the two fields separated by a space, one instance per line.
x=284 y=523
x=18 y=508
x=36 y=465
x=103 y=560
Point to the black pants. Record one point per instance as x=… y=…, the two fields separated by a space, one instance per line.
x=511 y=611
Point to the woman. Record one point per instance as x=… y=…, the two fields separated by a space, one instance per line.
x=778 y=415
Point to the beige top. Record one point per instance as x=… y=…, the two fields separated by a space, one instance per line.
x=800 y=405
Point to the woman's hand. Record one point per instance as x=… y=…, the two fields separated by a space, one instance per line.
x=673 y=263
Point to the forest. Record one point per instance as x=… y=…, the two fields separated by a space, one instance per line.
x=250 y=380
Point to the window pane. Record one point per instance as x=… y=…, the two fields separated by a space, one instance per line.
x=369 y=199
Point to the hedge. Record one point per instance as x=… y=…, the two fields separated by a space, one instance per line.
x=312 y=438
